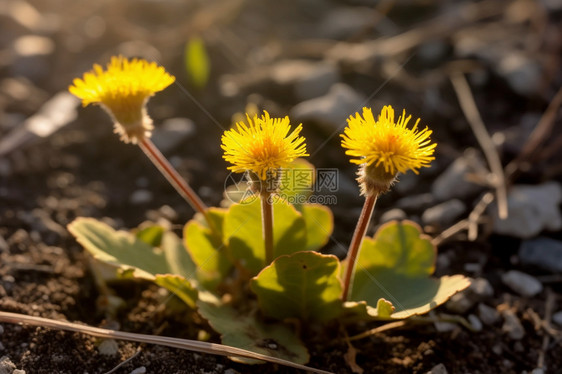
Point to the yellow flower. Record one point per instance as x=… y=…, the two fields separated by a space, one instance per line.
x=262 y=146
x=385 y=147
x=123 y=90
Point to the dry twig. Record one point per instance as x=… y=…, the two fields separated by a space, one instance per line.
x=192 y=345
x=474 y=119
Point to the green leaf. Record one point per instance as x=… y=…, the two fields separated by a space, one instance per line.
x=197 y=63
x=243 y=231
x=319 y=222
x=396 y=265
x=247 y=332
x=151 y=234
x=207 y=249
x=179 y=286
x=130 y=257
x=304 y=285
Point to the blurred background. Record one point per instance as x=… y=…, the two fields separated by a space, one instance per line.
x=485 y=76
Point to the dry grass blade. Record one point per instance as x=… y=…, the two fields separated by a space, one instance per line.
x=470 y=110
x=192 y=345
x=537 y=136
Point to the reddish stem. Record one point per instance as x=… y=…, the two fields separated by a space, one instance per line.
x=172 y=175
x=356 y=241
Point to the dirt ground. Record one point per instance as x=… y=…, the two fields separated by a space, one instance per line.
x=279 y=56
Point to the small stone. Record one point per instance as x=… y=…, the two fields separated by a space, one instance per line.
x=523 y=284
x=538 y=371
x=475 y=322
x=1 y=329
x=444 y=213
x=532 y=209
x=18 y=371
x=416 y=202
x=512 y=326
x=140 y=197
x=108 y=347
x=557 y=318
x=445 y=326
x=5 y=168
x=487 y=314
x=317 y=82
x=452 y=183
x=139 y=370
x=438 y=369
x=344 y=22
x=6 y=365
x=2 y=346
x=481 y=287
x=521 y=72
x=497 y=349
x=231 y=371
x=331 y=109
x=393 y=214
x=543 y=252
x=460 y=303
x=172 y=133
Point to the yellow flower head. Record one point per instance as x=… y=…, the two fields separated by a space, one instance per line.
x=123 y=90
x=385 y=147
x=262 y=146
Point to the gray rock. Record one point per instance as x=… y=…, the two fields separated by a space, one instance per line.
x=557 y=318
x=54 y=114
x=6 y=365
x=416 y=202
x=487 y=314
x=108 y=347
x=460 y=303
x=31 y=56
x=331 y=109
x=523 y=284
x=481 y=288
x=543 y=252
x=444 y=213
x=522 y=73
x=5 y=168
x=538 y=371
x=141 y=197
x=445 y=326
x=308 y=79
x=392 y=214
x=512 y=326
x=344 y=22
x=139 y=370
x=1 y=329
x=452 y=183
x=172 y=133
x=532 y=209
x=438 y=369
x=475 y=322
x=2 y=347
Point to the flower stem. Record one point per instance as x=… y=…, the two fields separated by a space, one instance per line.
x=356 y=241
x=267 y=225
x=172 y=175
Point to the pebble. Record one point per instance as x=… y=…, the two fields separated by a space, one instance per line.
x=481 y=287
x=460 y=303
x=18 y=371
x=557 y=318
x=172 y=133
x=438 y=369
x=538 y=371
x=6 y=365
x=231 y=371
x=2 y=346
x=543 y=252
x=5 y=168
x=139 y=370
x=332 y=109
x=443 y=214
x=416 y=202
x=521 y=72
x=392 y=214
x=512 y=326
x=1 y=329
x=108 y=347
x=532 y=209
x=345 y=22
x=445 y=326
x=141 y=197
x=475 y=322
x=452 y=182
x=317 y=82
x=523 y=284
x=487 y=314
